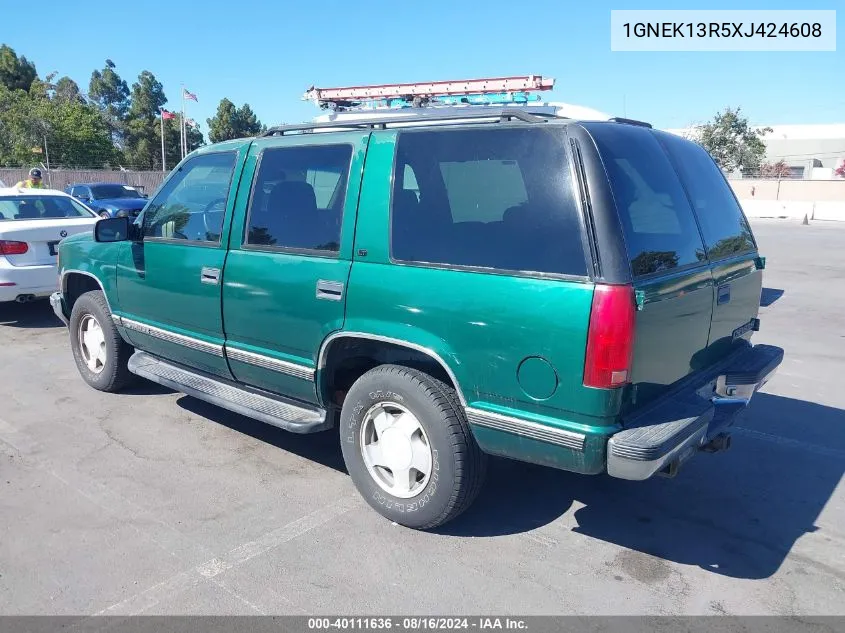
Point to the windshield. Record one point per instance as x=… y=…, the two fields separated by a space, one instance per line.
x=104 y=192
x=41 y=208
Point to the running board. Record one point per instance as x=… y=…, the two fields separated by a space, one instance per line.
x=273 y=410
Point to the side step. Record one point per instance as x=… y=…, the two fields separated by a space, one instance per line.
x=274 y=410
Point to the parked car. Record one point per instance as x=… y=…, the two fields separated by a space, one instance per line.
x=32 y=224
x=109 y=200
x=575 y=294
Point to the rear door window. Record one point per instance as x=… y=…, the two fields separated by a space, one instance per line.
x=726 y=232
x=658 y=223
x=298 y=196
x=486 y=198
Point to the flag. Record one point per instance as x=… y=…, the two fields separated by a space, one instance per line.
x=167 y=115
x=189 y=95
x=190 y=122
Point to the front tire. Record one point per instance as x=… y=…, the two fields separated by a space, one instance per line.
x=408 y=447
x=100 y=353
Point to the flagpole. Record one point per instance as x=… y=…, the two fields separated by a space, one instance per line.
x=163 y=160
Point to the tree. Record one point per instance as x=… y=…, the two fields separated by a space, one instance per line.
x=16 y=73
x=779 y=169
x=172 y=139
x=732 y=143
x=16 y=127
x=143 y=138
x=75 y=132
x=111 y=95
x=230 y=122
x=66 y=89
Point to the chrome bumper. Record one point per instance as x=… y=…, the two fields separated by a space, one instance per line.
x=672 y=430
x=58 y=306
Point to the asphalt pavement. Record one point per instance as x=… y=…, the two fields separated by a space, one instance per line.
x=151 y=502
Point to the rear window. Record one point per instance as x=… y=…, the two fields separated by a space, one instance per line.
x=41 y=208
x=107 y=192
x=659 y=226
x=500 y=199
x=725 y=229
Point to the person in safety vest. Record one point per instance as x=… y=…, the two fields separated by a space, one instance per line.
x=33 y=182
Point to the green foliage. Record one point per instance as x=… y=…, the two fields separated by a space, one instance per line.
x=75 y=132
x=112 y=125
x=143 y=136
x=66 y=89
x=732 y=143
x=109 y=92
x=230 y=122
x=16 y=73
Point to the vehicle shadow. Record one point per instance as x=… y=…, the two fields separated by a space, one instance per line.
x=769 y=295
x=35 y=315
x=736 y=514
x=322 y=448
x=143 y=387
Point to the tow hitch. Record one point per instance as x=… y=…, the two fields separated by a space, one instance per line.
x=721 y=442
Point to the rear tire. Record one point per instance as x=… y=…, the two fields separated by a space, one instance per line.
x=414 y=425
x=100 y=353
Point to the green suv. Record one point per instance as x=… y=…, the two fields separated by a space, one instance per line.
x=569 y=293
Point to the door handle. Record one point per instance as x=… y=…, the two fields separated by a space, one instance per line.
x=329 y=290
x=210 y=275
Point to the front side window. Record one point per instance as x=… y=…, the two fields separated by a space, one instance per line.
x=191 y=205
x=725 y=230
x=486 y=198
x=41 y=208
x=298 y=197
x=658 y=224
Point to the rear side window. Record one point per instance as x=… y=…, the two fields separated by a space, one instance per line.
x=725 y=230
x=659 y=226
x=488 y=198
x=298 y=196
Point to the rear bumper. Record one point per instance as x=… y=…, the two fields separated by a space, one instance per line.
x=58 y=305
x=671 y=430
x=37 y=280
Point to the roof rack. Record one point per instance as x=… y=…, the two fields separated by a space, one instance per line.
x=499 y=89
x=381 y=123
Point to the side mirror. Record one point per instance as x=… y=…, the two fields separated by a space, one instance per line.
x=82 y=197
x=112 y=230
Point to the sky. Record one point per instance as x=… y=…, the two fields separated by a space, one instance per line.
x=268 y=53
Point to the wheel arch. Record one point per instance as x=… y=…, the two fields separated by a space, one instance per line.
x=75 y=283
x=330 y=365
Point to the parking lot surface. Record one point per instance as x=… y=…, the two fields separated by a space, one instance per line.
x=151 y=502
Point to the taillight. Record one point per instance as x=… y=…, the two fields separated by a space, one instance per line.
x=8 y=247
x=610 y=341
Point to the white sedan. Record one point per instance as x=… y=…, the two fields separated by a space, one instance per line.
x=32 y=223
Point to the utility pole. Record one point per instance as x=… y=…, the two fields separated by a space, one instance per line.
x=47 y=158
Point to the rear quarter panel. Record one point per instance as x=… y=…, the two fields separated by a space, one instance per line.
x=515 y=344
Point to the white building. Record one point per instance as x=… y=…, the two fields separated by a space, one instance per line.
x=811 y=151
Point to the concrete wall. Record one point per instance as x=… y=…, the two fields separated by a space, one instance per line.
x=789 y=190
x=796 y=199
